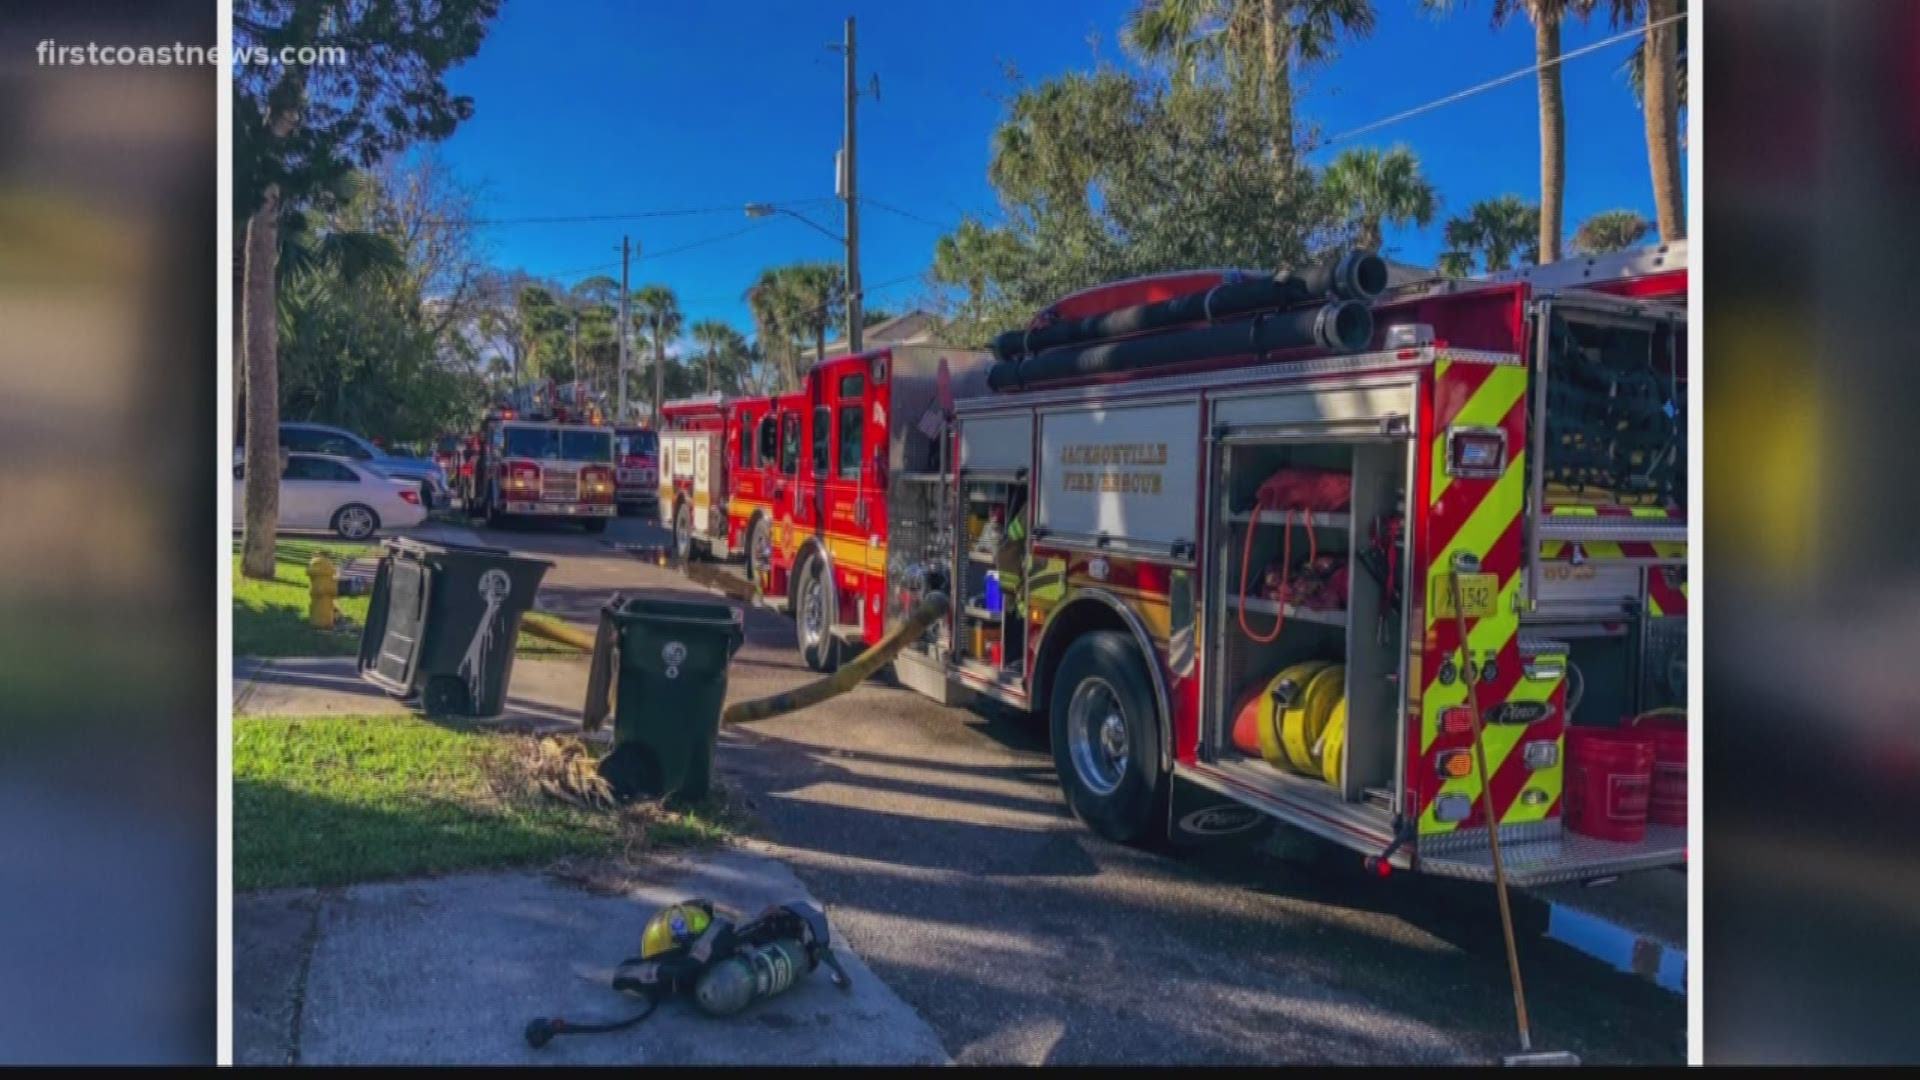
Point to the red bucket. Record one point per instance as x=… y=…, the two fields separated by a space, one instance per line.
x=1608 y=780
x=1668 y=805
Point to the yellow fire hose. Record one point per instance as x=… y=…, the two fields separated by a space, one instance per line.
x=855 y=672
x=556 y=631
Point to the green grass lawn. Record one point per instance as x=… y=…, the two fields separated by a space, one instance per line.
x=331 y=800
x=270 y=617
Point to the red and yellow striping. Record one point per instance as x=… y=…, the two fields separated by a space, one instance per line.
x=1483 y=517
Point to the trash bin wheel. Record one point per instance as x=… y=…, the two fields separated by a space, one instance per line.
x=444 y=696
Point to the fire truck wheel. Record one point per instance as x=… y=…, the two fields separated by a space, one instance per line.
x=759 y=549
x=813 y=618
x=355 y=522
x=683 y=532
x=1106 y=739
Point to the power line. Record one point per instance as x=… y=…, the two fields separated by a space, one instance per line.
x=664 y=253
x=909 y=215
x=637 y=215
x=1501 y=81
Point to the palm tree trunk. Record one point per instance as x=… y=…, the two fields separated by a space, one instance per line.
x=239 y=334
x=1661 y=108
x=1553 y=133
x=820 y=344
x=659 y=372
x=262 y=492
x=1279 y=84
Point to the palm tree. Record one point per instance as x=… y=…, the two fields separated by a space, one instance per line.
x=1610 y=230
x=655 y=307
x=1497 y=230
x=1380 y=188
x=1657 y=72
x=715 y=338
x=819 y=290
x=1547 y=17
x=770 y=301
x=1254 y=45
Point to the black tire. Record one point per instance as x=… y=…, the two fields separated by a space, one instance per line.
x=759 y=538
x=814 y=625
x=683 y=532
x=355 y=521
x=1121 y=797
x=595 y=524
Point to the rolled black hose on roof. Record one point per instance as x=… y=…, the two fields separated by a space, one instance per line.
x=1342 y=326
x=1349 y=275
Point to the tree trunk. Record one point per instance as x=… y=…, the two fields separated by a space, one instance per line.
x=1279 y=84
x=1553 y=134
x=1371 y=235
x=659 y=373
x=820 y=345
x=1661 y=109
x=262 y=389
x=238 y=330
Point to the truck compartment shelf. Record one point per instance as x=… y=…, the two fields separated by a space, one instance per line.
x=1269 y=607
x=1279 y=517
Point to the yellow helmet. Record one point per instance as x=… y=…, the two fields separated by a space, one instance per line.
x=675 y=926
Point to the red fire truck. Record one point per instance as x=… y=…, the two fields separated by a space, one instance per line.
x=541 y=454
x=1218 y=547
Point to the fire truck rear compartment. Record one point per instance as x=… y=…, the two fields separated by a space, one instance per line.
x=1353 y=630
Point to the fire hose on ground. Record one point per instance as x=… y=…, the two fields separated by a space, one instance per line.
x=856 y=671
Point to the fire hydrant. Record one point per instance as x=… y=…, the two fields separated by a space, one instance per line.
x=323 y=584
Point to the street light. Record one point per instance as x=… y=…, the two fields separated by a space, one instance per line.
x=761 y=210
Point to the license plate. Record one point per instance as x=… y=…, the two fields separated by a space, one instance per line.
x=1477 y=591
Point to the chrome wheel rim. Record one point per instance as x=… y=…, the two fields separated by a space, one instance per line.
x=355 y=522
x=1097 y=736
x=813 y=611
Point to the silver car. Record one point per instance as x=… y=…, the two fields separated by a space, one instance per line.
x=305 y=438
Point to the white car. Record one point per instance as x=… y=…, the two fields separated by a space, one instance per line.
x=339 y=495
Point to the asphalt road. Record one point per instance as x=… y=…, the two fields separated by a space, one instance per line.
x=939 y=841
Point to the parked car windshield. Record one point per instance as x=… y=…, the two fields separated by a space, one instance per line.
x=559 y=444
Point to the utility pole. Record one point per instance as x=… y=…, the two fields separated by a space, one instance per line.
x=620 y=416
x=852 y=195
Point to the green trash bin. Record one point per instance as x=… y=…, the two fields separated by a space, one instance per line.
x=672 y=686
x=443 y=622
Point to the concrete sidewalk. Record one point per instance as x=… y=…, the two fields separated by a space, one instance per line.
x=543 y=695
x=450 y=970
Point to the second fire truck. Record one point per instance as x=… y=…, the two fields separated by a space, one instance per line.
x=542 y=453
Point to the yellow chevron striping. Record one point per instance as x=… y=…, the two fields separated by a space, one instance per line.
x=1489 y=405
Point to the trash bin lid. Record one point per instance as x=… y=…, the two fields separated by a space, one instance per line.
x=706 y=613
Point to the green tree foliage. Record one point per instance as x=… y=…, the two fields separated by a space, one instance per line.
x=656 y=310
x=1106 y=175
x=1493 y=232
x=1611 y=230
x=361 y=344
x=1252 y=48
x=298 y=127
x=1375 y=188
x=723 y=358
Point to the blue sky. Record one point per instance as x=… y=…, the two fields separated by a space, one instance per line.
x=609 y=107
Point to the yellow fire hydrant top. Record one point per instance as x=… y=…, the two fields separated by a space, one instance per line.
x=323 y=580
